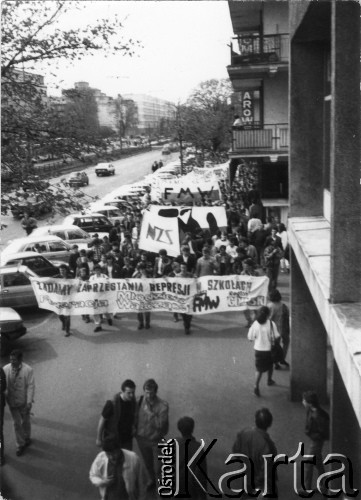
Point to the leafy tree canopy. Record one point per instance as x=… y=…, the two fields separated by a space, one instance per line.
x=32 y=39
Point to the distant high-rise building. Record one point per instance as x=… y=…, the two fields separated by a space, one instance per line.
x=151 y=110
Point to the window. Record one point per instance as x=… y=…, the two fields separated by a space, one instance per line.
x=60 y=234
x=15 y=279
x=74 y=235
x=57 y=246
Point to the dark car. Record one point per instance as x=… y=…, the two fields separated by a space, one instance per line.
x=78 y=179
x=92 y=223
x=11 y=327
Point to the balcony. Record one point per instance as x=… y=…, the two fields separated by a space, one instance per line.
x=258 y=54
x=260 y=140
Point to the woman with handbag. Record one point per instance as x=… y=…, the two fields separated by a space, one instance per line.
x=265 y=335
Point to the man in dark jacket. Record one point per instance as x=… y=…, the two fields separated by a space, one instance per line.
x=118 y=417
x=112 y=269
x=317 y=429
x=188 y=446
x=255 y=443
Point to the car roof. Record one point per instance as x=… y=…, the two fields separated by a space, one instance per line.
x=9 y=314
x=16 y=269
x=104 y=163
x=103 y=207
x=83 y=215
x=56 y=227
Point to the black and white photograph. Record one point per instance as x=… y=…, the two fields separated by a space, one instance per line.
x=180 y=249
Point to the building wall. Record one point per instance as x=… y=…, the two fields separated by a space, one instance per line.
x=275 y=92
x=275 y=17
x=151 y=110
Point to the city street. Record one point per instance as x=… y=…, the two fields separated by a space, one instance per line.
x=127 y=171
x=208 y=375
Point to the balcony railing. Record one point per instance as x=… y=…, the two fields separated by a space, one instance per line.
x=259 y=49
x=261 y=138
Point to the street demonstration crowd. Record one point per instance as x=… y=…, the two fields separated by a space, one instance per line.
x=251 y=246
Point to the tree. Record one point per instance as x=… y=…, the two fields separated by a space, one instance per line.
x=207 y=115
x=31 y=39
x=126 y=117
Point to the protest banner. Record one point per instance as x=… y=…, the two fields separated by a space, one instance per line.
x=189 y=191
x=197 y=296
x=194 y=219
x=158 y=233
x=230 y=293
x=76 y=297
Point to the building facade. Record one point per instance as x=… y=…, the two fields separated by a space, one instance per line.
x=325 y=218
x=150 y=111
x=258 y=71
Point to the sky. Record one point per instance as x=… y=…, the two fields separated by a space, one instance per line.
x=184 y=43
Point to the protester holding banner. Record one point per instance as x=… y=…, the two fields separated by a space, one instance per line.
x=248 y=270
x=143 y=317
x=64 y=274
x=99 y=276
x=162 y=265
x=188 y=259
x=187 y=318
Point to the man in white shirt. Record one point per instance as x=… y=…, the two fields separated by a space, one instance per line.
x=20 y=398
x=116 y=472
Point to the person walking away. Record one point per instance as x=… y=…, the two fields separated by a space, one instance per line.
x=118 y=417
x=188 y=446
x=20 y=398
x=152 y=426
x=64 y=274
x=255 y=443
x=261 y=333
x=2 y=411
x=280 y=314
x=28 y=223
x=318 y=430
x=116 y=472
x=282 y=233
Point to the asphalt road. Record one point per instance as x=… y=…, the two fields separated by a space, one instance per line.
x=128 y=170
x=207 y=375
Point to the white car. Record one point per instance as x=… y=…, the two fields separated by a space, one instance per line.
x=105 y=169
x=73 y=235
x=112 y=212
x=53 y=248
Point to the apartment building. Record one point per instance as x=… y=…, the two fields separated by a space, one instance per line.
x=325 y=217
x=258 y=71
x=150 y=111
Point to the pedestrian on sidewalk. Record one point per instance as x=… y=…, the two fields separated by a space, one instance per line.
x=261 y=333
x=280 y=314
x=64 y=274
x=255 y=443
x=318 y=430
x=20 y=398
x=116 y=472
x=28 y=223
x=151 y=427
x=118 y=417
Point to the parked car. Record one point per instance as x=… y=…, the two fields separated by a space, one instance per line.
x=166 y=151
x=71 y=234
x=112 y=212
x=37 y=263
x=33 y=205
x=78 y=179
x=52 y=247
x=11 y=327
x=121 y=204
x=16 y=289
x=91 y=223
x=104 y=169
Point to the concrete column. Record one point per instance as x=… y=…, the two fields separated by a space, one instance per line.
x=345 y=429
x=308 y=340
x=306 y=115
x=345 y=154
